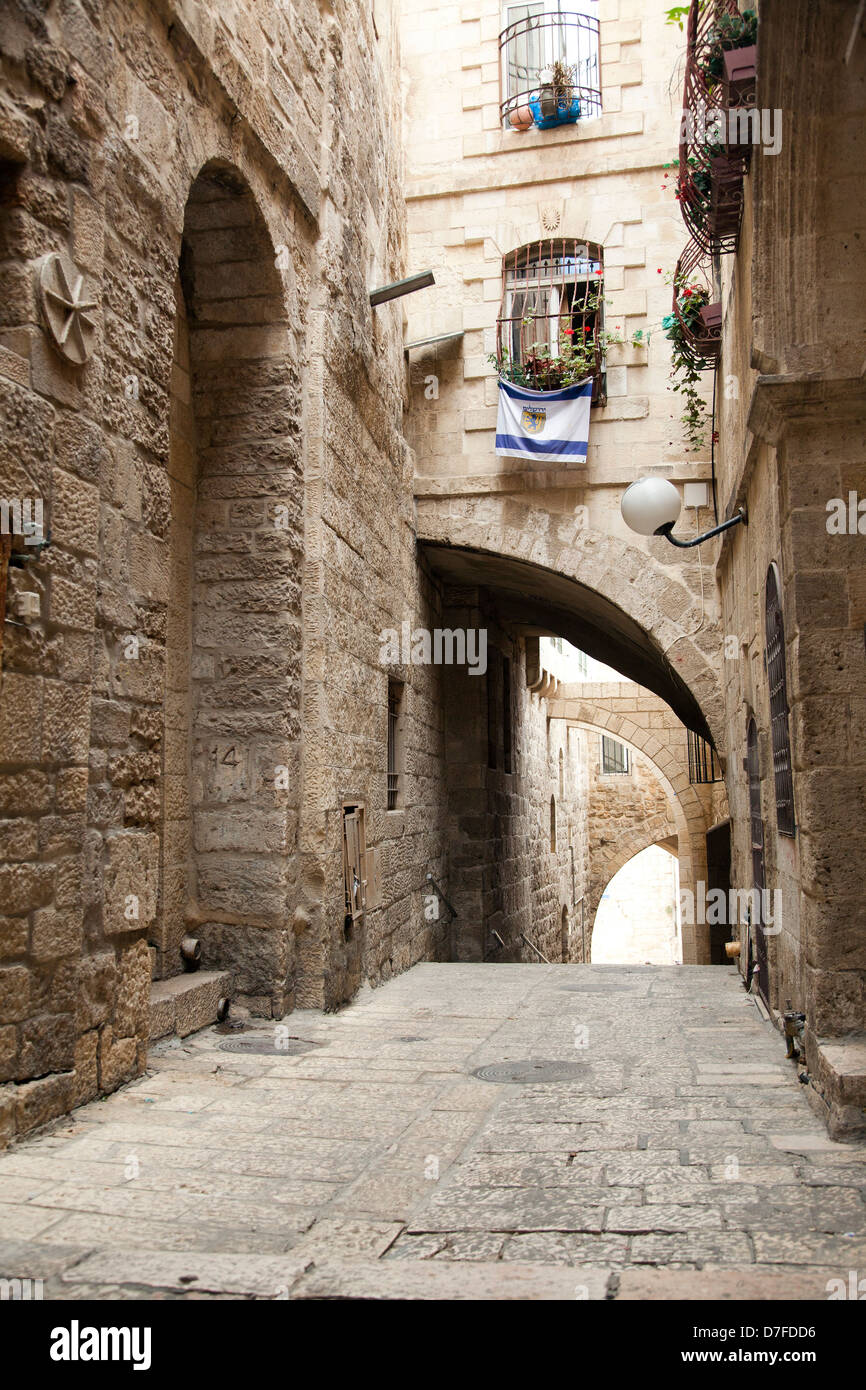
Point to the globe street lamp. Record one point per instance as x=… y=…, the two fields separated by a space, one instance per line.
x=651 y=507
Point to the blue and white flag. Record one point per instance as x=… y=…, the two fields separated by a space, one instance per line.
x=552 y=426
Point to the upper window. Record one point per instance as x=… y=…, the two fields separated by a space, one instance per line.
x=544 y=43
x=777 y=678
x=703 y=763
x=614 y=756
x=549 y=330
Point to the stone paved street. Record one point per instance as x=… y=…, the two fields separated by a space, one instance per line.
x=681 y=1158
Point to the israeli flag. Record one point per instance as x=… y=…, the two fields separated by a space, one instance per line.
x=552 y=426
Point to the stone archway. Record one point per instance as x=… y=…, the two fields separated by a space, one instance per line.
x=687 y=819
x=232 y=696
x=605 y=596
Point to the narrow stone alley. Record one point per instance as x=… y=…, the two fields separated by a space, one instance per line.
x=465 y=1131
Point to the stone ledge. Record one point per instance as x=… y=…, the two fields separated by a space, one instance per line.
x=838 y=1090
x=186 y=1003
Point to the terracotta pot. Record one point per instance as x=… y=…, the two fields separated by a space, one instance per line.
x=520 y=118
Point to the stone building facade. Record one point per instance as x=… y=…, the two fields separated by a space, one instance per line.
x=791 y=426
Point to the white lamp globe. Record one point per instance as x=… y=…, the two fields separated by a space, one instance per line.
x=649 y=504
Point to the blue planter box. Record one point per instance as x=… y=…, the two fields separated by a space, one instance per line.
x=567 y=112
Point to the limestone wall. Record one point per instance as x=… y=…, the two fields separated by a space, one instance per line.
x=229 y=498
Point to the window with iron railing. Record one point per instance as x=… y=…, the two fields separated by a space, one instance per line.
x=614 y=757
x=538 y=38
x=778 y=682
x=550 y=332
x=703 y=763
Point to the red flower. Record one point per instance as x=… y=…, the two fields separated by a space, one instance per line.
x=569 y=332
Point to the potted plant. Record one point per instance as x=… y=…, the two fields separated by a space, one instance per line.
x=556 y=102
x=731 y=32
x=520 y=117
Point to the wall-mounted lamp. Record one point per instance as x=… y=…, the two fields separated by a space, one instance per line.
x=400 y=287
x=651 y=507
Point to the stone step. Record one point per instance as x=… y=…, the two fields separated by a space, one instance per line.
x=186 y=1002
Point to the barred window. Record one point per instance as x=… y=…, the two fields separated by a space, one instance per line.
x=537 y=35
x=614 y=756
x=549 y=333
x=777 y=679
x=703 y=763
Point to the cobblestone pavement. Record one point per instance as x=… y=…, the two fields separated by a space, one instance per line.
x=680 y=1158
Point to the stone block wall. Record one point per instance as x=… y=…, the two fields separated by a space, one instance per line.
x=229 y=499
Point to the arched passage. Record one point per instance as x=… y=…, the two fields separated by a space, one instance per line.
x=687 y=819
x=233 y=640
x=608 y=598
x=637 y=922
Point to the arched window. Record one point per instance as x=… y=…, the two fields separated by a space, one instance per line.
x=778 y=683
x=553 y=825
x=552 y=317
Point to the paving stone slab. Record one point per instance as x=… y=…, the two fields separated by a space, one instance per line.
x=720 y=1285
x=453 y=1280
x=266 y=1276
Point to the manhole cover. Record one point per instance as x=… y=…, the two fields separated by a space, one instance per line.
x=267 y=1043
x=530 y=1072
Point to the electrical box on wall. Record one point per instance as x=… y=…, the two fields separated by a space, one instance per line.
x=696 y=495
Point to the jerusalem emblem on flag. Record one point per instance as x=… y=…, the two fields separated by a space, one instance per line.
x=551 y=426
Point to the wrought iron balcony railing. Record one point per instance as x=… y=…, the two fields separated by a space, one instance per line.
x=550 y=70
x=697 y=316
x=550 y=331
x=712 y=164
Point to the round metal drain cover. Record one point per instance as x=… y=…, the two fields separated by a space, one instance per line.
x=269 y=1045
x=530 y=1072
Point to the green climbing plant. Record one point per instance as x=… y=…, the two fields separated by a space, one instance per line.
x=686 y=369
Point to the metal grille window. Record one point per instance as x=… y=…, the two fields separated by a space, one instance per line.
x=703 y=763
x=614 y=756
x=777 y=678
x=542 y=33
x=395 y=701
x=549 y=330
